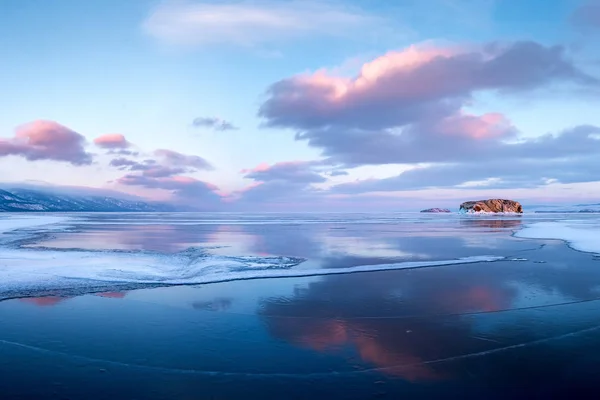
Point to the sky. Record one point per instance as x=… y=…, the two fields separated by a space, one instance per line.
x=312 y=105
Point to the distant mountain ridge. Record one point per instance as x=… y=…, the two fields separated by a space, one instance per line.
x=27 y=200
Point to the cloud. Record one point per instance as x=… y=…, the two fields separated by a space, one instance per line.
x=167 y=160
x=112 y=141
x=408 y=108
x=47 y=140
x=216 y=124
x=186 y=190
x=124 y=163
x=516 y=174
x=280 y=181
x=148 y=168
x=290 y=171
x=176 y=159
x=412 y=86
x=250 y=23
x=164 y=173
x=587 y=15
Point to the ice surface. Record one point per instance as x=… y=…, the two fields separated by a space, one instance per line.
x=11 y=222
x=582 y=235
x=31 y=270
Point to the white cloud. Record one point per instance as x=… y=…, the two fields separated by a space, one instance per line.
x=250 y=23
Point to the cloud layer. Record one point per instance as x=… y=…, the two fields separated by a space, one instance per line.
x=408 y=107
x=165 y=171
x=213 y=123
x=283 y=180
x=587 y=16
x=250 y=23
x=47 y=140
x=185 y=189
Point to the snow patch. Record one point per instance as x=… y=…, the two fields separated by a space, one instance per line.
x=581 y=235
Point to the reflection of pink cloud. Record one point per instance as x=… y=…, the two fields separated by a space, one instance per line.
x=44 y=301
x=404 y=347
x=404 y=364
x=476 y=298
x=112 y=141
x=46 y=140
x=324 y=335
x=397 y=357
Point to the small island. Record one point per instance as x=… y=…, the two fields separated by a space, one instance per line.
x=436 y=210
x=492 y=206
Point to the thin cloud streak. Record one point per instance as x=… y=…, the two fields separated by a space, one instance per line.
x=251 y=23
x=214 y=123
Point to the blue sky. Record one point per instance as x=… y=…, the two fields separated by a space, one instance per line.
x=147 y=69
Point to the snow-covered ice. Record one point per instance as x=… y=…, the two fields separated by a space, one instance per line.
x=31 y=270
x=582 y=235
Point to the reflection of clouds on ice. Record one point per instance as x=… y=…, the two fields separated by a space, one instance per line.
x=482 y=242
x=153 y=237
x=530 y=294
x=403 y=323
x=44 y=301
x=582 y=235
x=367 y=247
x=396 y=333
x=13 y=222
x=17 y=226
x=33 y=270
x=217 y=304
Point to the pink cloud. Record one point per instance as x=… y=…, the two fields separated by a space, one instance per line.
x=403 y=87
x=408 y=106
x=491 y=125
x=374 y=77
x=112 y=141
x=46 y=140
x=259 y=168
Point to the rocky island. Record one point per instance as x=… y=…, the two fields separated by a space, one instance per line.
x=436 y=210
x=492 y=206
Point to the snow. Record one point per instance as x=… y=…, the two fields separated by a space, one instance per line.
x=31 y=270
x=582 y=235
